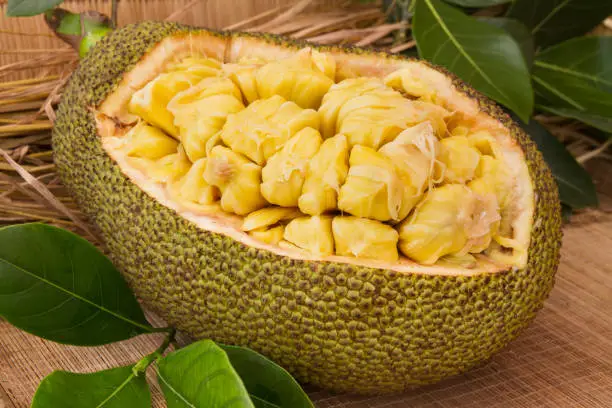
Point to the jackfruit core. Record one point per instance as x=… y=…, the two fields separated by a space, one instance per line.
x=286 y=155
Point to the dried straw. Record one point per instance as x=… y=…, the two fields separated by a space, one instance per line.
x=30 y=189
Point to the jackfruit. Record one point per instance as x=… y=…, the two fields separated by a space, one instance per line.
x=459 y=158
x=263 y=127
x=344 y=302
x=363 y=238
x=284 y=174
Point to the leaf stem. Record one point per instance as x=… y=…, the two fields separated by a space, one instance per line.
x=147 y=360
x=114 y=8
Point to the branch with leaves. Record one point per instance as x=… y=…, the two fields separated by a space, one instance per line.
x=70 y=293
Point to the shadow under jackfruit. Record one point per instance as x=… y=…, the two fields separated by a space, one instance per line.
x=309 y=299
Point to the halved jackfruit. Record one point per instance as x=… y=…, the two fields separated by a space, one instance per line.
x=464 y=257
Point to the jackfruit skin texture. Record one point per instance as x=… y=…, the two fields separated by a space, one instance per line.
x=342 y=327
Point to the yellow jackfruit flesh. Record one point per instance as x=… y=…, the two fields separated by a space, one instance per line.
x=149 y=142
x=363 y=238
x=459 y=158
x=263 y=127
x=452 y=219
x=325 y=173
x=284 y=174
x=373 y=188
x=268 y=216
x=201 y=111
x=192 y=188
x=407 y=81
x=151 y=102
x=303 y=78
x=313 y=234
x=164 y=169
x=237 y=178
x=272 y=235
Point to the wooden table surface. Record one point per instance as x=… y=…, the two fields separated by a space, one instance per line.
x=564 y=359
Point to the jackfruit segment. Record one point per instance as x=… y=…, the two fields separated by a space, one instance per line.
x=201 y=111
x=192 y=188
x=269 y=216
x=325 y=173
x=363 y=238
x=414 y=153
x=272 y=235
x=149 y=142
x=151 y=102
x=237 y=178
x=451 y=220
x=263 y=127
x=373 y=188
x=313 y=234
x=303 y=78
x=406 y=81
x=371 y=114
x=403 y=173
x=460 y=160
x=165 y=169
x=284 y=174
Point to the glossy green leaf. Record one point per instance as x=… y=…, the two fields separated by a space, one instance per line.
x=577 y=74
x=484 y=56
x=599 y=122
x=58 y=286
x=477 y=3
x=576 y=188
x=26 y=8
x=114 y=388
x=201 y=375
x=553 y=21
x=268 y=384
x=518 y=31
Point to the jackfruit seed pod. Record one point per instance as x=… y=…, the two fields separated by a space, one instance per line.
x=237 y=178
x=451 y=219
x=460 y=160
x=192 y=189
x=148 y=142
x=485 y=143
x=151 y=102
x=200 y=65
x=263 y=127
x=408 y=81
x=325 y=173
x=269 y=216
x=414 y=154
x=272 y=235
x=363 y=238
x=243 y=75
x=313 y=234
x=324 y=62
x=165 y=169
x=201 y=111
x=284 y=174
x=373 y=188
x=297 y=79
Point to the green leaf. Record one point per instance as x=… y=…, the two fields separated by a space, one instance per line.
x=484 y=56
x=478 y=3
x=201 y=375
x=553 y=21
x=114 y=388
x=576 y=188
x=268 y=384
x=518 y=31
x=597 y=121
x=577 y=74
x=58 y=286
x=566 y=213
x=26 y=8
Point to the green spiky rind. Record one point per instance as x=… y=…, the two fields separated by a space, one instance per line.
x=342 y=327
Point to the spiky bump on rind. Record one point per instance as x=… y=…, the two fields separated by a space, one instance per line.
x=339 y=326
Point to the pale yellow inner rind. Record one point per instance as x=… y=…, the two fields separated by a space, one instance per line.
x=113 y=120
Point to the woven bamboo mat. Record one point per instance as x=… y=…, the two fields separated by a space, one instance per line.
x=564 y=359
